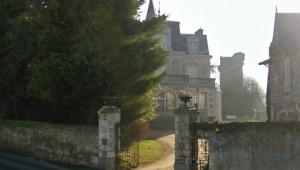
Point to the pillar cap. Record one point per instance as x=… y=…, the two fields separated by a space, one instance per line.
x=108 y=110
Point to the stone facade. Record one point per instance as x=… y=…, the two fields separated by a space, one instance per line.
x=283 y=91
x=188 y=71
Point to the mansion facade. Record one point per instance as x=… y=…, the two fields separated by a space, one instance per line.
x=188 y=71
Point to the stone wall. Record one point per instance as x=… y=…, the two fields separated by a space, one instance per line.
x=250 y=146
x=77 y=145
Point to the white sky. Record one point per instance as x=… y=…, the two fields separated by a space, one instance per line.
x=231 y=26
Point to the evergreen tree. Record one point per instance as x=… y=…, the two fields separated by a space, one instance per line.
x=16 y=43
x=76 y=53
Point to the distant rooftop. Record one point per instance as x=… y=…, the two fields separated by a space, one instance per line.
x=179 y=41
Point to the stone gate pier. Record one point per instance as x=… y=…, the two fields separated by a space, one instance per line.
x=184 y=119
x=109 y=118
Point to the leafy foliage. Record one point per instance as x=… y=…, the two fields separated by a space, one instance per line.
x=243 y=102
x=60 y=58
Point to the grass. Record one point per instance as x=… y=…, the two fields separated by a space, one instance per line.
x=149 y=151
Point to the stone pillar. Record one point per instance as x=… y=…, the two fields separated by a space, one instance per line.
x=109 y=118
x=184 y=117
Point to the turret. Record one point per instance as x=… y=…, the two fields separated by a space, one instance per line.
x=151 y=11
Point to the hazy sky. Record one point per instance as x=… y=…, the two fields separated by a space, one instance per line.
x=231 y=26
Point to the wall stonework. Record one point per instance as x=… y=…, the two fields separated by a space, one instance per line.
x=250 y=146
x=76 y=145
x=236 y=146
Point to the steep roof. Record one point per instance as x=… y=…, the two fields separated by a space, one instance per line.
x=179 y=40
x=286 y=36
x=151 y=11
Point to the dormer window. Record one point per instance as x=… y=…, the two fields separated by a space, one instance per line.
x=193 y=45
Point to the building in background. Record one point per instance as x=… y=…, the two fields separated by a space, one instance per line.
x=242 y=97
x=283 y=90
x=231 y=71
x=188 y=71
x=231 y=83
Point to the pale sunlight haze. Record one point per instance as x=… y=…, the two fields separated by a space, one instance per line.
x=231 y=26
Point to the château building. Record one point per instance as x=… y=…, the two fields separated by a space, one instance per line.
x=188 y=71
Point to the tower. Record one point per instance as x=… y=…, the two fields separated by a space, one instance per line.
x=151 y=11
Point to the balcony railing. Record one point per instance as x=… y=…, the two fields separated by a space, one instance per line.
x=186 y=80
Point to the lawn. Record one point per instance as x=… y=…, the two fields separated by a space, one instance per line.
x=149 y=151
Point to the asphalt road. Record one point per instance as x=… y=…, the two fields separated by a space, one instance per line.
x=13 y=161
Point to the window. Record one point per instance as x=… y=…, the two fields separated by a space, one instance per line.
x=175 y=66
x=287 y=74
x=161 y=101
x=202 y=101
x=193 y=46
x=193 y=70
x=165 y=101
x=104 y=141
x=170 y=101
